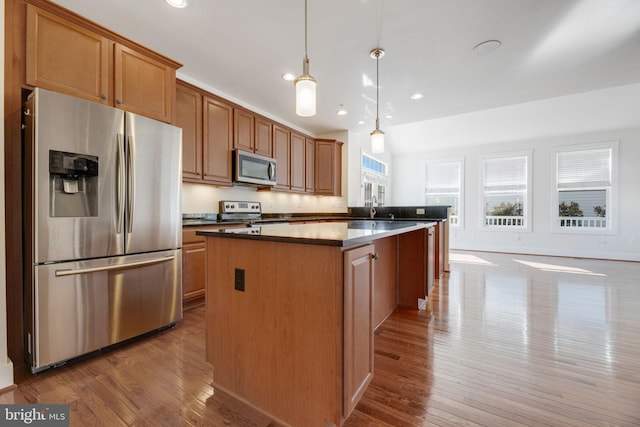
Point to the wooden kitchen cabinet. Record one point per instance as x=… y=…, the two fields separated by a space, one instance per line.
x=264 y=136
x=385 y=287
x=281 y=152
x=309 y=166
x=217 y=141
x=189 y=118
x=415 y=267
x=70 y=55
x=298 y=161
x=358 y=324
x=193 y=265
x=244 y=136
x=328 y=170
x=143 y=85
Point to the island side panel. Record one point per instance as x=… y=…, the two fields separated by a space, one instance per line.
x=412 y=268
x=278 y=344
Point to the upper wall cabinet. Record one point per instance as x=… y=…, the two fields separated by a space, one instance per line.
x=78 y=58
x=189 y=118
x=328 y=170
x=251 y=132
x=207 y=135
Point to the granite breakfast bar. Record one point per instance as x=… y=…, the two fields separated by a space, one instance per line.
x=291 y=310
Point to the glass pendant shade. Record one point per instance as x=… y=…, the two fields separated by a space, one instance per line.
x=306 y=96
x=377 y=141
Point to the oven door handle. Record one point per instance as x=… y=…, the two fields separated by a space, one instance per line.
x=74 y=271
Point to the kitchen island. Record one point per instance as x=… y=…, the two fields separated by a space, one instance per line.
x=291 y=310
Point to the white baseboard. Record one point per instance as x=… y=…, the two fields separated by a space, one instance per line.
x=613 y=256
x=6 y=374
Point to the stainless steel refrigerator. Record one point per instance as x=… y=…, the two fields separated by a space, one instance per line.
x=102 y=227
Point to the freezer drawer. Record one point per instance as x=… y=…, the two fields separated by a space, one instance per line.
x=82 y=306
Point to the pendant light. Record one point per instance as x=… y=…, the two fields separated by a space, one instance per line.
x=377 y=136
x=305 y=84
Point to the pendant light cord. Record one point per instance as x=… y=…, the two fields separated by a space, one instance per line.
x=305 y=31
x=377 y=90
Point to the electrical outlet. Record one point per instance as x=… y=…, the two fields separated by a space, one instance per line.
x=420 y=211
x=239 y=280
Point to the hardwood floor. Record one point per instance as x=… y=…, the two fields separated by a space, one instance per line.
x=509 y=340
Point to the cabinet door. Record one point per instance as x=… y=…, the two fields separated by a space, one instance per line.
x=281 y=154
x=243 y=130
x=298 y=161
x=385 y=288
x=67 y=58
x=263 y=131
x=143 y=85
x=193 y=270
x=328 y=167
x=309 y=167
x=189 y=118
x=358 y=325
x=217 y=140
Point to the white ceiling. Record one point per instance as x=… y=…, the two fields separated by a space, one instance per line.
x=240 y=48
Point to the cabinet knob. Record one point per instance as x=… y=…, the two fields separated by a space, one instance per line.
x=103 y=96
x=374 y=256
x=118 y=101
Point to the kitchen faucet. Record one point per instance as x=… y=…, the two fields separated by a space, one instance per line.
x=372 y=211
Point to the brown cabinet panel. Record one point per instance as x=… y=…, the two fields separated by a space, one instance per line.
x=77 y=57
x=358 y=325
x=414 y=271
x=143 y=85
x=328 y=167
x=193 y=270
x=67 y=58
x=386 y=284
x=264 y=136
x=217 y=140
x=281 y=152
x=309 y=168
x=243 y=130
x=298 y=161
x=189 y=118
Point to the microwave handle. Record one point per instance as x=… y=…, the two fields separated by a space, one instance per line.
x=272 y=171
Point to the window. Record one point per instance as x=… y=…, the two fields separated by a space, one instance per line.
x=584 y=185
x=444 y=187
x=506 y=192
x=374 y=181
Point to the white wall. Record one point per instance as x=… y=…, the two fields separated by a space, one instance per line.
x=592 y=117
x=6 y=367
x=360 y=142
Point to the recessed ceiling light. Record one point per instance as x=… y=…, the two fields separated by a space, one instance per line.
x=178 y=3
x=417 y=96
x=361 y=122
x=342 y=111
x=288 y=77
x=388 y=116
x=487 y=47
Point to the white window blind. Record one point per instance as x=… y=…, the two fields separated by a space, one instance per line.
x=505 y=173
x=584 y=168
x=443 y=177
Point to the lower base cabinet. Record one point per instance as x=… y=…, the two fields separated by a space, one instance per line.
x=193 y=266
x=358 y=324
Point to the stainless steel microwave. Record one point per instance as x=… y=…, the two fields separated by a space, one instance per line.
x=251 y=168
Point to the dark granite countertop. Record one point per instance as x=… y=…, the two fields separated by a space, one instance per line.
x=332 y=233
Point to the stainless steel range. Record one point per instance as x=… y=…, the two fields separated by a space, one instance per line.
x=238 y=211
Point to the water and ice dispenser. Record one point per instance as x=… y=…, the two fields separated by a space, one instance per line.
x=73 y=184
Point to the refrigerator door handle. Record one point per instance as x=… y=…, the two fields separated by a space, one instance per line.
x=131 y=185
x=74 y=271
x=120 y=182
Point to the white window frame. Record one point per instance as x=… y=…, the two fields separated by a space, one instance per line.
x=611 y=197
x=379 y=181
x=458 y=222
x=527 y=218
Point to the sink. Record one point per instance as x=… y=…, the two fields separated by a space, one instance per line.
x=375 y=225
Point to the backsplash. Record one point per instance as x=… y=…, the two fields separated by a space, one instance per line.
x=203 y=198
